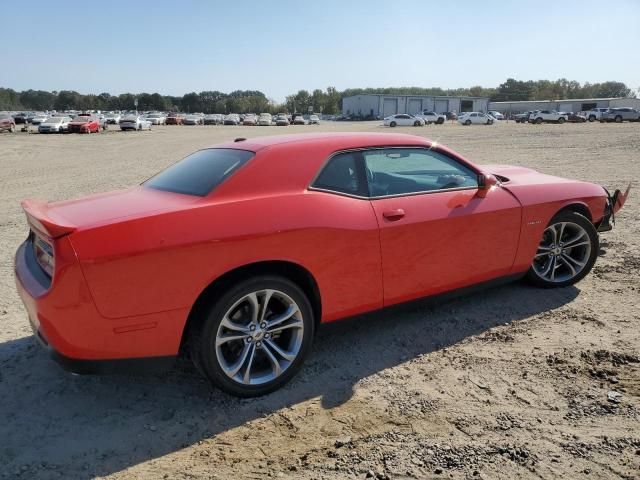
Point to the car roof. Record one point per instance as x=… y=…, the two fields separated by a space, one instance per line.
x=338 y=141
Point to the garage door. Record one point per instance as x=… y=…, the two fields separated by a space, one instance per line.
x=442 y=106
x=389 y=107
x=415 y=106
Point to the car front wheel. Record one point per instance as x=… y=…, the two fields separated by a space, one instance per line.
x=566 y=253
x=255 y=337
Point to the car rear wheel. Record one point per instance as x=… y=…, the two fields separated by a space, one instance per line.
x=618 y=119
x=561 y=120
x=538 y=121
x=467 y=123
x=566 y=253
x=255 y=337
x=416 y=123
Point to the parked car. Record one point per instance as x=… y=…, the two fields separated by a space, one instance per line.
x=84 y=124
x=156 y=118
x=521 y=117
x=193 y=120
x=479 y=118
x=403 y=120
x=7 y=123
x=211 y=119
x=282 y=120
x=232 y=119
x=134 y=122
x=188 y=260
x=548 y=116
x=314 y=120
x=39 y=118
x=55 y=125
x=113 y=118
x=430 y=117
x=265 y=120
x=299 y=120
x=496 y=115
x=250 y=119
x=20 y=118
x=595 y=113
x=620 y=114
x=174 y=119
x=575 y=117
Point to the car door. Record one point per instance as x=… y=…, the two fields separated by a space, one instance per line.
x=436 y=233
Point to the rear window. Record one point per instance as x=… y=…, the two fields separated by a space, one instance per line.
x=201 y=172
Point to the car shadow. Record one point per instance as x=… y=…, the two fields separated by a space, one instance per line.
x=95 y=426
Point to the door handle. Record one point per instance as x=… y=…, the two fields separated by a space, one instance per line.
x=396 y=214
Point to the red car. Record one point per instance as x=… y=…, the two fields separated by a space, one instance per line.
x=240 y=250
x=174 y=120
x=7 y=123
x=84 y=124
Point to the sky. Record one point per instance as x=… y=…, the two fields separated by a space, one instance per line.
x=279 y=47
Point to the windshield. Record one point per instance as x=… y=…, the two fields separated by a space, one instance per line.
x=199 y=173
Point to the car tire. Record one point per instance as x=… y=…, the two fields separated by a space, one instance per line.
x=467 y=123
x=618 y=119
x=592 y=118
x=574 y=251
x=538 y=120
x=440 y=121
x=416 y=123
x=561 y=120
x=392 y=124
x=224 y=349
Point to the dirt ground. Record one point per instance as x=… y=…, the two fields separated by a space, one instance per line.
x=509 y=383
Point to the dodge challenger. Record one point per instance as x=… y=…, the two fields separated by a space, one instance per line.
x=239 y=251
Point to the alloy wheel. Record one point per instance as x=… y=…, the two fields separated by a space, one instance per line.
x=563 y=252
x=259 y=337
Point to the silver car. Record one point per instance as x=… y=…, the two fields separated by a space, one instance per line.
x=620 y=114
x=54 y=125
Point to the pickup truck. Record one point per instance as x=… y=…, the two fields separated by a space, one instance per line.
x=431 y=117
x=548 y=116
x=595 y=114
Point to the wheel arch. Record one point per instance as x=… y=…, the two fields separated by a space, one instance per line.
x=290 y=270
x=577 y=207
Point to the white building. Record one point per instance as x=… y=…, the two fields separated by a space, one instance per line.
x=568 y=105
x=380 y=106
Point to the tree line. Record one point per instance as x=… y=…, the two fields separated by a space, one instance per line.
x=327 y=101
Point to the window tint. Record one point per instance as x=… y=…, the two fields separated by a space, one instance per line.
x=200 y=172
x=397 y=171
x=341 y=175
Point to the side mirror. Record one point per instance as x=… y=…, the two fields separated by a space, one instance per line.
x=486 y=183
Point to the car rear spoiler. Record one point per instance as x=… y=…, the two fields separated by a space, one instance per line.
x=39 y=217
x=614 y=203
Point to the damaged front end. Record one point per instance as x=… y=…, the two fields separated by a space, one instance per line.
x=614 y=203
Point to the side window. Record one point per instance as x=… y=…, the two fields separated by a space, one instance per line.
x=397 y=171
x=341 y=175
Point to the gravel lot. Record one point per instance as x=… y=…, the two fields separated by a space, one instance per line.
x=509 y=383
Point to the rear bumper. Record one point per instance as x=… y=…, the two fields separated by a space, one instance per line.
x=65 y=320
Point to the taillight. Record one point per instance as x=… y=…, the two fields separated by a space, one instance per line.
x=43 y=251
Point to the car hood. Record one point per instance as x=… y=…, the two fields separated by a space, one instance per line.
x=522 y=175
x=58 y=218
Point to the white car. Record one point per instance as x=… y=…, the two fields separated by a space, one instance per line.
x=134 y=122
x=39 y=118
x=314 y=120
x=476 y=118
x=54 y=125
x=497 y=115
x=265 y=120
x=548 y=116
x=157 y=119
x=113 y=118
x=430 y=117
x=403 y=120
x=595 y=114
